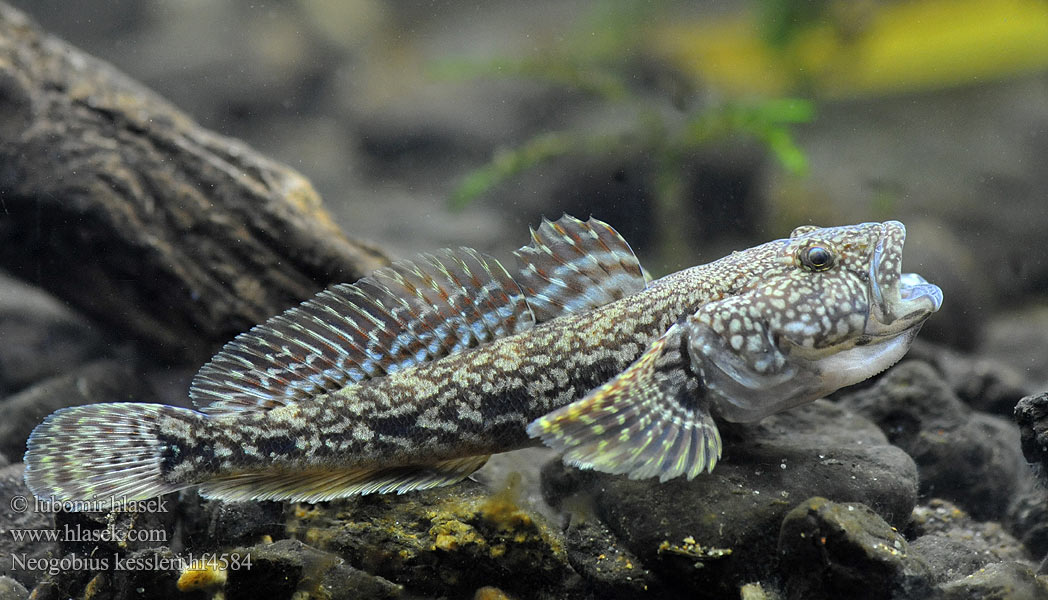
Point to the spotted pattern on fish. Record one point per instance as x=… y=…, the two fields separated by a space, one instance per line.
x=619 y=374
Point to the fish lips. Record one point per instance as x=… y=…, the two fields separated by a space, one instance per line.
x=898 y=300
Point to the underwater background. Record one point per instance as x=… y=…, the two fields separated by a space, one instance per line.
x=694 y=129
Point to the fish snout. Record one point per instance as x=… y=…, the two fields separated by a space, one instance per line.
x=898 y=300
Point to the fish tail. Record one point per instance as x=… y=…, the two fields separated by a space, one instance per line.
x=112 y=452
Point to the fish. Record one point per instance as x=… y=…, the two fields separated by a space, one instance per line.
x=412 y=377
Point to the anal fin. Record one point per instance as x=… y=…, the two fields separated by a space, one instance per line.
x=320 y=485
x=651 y=420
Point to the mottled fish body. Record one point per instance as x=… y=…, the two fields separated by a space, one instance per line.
x=412 y=377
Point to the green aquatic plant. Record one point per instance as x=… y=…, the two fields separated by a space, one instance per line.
x=665 y=119
x=767 y=121
x=601 y=58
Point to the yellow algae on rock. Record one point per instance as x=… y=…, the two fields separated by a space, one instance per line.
x=202 y=577
x=452 y=534
x=432 y=541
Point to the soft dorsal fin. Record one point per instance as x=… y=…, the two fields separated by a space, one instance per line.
x=402 y=315
x=572 y=266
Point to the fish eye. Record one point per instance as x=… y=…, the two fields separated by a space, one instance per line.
x=816 y=258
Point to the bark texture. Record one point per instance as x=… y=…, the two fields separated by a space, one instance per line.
x=121 y=205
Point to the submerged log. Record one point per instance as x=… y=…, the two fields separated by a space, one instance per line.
x=122 y=206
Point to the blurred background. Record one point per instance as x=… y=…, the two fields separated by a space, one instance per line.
x=694 y=128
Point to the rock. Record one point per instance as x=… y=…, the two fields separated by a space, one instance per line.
x=997 y=581
x=12 y=590
x=1028 y=520
x=100 y=381
x=146 y=573
x=137 y=526
x=18 y=514
x=489 y=592
x=277 y=570
x=281 y=569
x=757 y=591
x=954 y=545
x=1031 y=413
x=907 y=400
x=968 y=457
x=610 y=569
x=443 y=542
x=42 y=337
x=720 y=531
x=65 y=584
x=210 y=523
x=985 y=384
x=978 y=465
x=845 y=550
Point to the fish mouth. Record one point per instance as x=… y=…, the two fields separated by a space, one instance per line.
x=898 y=301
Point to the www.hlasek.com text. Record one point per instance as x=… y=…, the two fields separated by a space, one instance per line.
x=75 y=533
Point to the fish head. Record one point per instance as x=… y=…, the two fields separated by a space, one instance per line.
x=820 y=310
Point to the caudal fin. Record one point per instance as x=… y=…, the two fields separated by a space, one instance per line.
x=105 y=453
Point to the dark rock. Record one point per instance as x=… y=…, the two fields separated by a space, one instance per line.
x=145 y=573
x=1031 y=413
x=42 y=337
x=968 y=457
x=443 y=542
x=281 y=569
x=954 y=545
x=845 y=550
x=278 y=570
x=610 y=569
x=977 y=465
x=1005 y=580
x=720 y=531
x=137 y=526
x=907 y=400
x=982 y=383
x=207 y=524
x=148 y=573
x=65 y=584
x=489 y=592
x=760 y=591
x=18 y=514
x=12 y=590
x=1028 y=520
x=101 y=381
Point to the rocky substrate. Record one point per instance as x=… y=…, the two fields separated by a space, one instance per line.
x=900 y=488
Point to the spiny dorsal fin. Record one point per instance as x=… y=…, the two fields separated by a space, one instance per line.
x=324 y=485
x=647 y=421
x=572 y=266
x=402 y=315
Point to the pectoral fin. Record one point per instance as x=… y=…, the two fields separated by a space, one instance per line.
x=651 y=420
